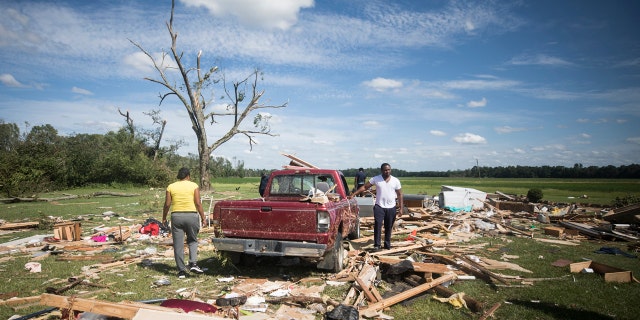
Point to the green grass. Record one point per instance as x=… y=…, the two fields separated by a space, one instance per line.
x=570 y=296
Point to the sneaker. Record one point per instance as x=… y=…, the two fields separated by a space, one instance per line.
x=195 y=269
x=182 y=274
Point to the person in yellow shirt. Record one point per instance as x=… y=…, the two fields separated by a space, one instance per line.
x=183 y=199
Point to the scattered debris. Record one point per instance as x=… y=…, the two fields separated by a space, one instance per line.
x=413 y=267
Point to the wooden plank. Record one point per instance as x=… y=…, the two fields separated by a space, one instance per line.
x=370 y=292
x=19 y=225
x=408 y=294
x=299 y=161
x=126 y=310
x=419 y=266
x=77 y=232
x=19 y=301
x=396 y=250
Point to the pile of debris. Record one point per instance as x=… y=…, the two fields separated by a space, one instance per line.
x=413 y=267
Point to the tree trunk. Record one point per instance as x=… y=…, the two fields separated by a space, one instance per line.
x=204 y=156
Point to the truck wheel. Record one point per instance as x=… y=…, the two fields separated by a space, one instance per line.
x=338 y=254
x=334 y=259
x=355 y=233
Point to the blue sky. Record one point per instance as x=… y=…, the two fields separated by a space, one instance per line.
x=423 y=85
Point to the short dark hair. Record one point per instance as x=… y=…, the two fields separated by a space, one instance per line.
x=384 y=165
x=360 y=169
x=183 y=173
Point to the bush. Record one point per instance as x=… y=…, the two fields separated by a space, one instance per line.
x=534 y=195
x=627 y=200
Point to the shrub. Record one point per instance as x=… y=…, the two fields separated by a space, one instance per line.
x=627 y=200
x=534 y=195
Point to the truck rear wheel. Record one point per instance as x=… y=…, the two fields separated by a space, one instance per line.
x=334 y=259
x=338 y=254
x=355 y=233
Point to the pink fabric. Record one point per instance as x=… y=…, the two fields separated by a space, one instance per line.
x=102 y=238
x=189 y=305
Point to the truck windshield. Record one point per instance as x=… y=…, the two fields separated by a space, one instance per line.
x=300 y=184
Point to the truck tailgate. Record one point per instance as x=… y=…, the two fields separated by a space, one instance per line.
x=269 y=220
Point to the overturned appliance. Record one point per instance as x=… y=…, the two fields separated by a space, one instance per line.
x=461 y=199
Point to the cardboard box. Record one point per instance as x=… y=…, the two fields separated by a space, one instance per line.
x=611 y=274
x=553 y=231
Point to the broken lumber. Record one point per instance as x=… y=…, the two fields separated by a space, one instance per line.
x=126 y=310
x=424 y=267
x=19 y=225
x=408 y=294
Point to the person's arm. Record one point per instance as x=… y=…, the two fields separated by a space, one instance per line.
x=166 y=207
x=400 y=202
x=366 y=186
x=198 y=202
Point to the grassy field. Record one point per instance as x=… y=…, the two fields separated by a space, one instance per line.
x=565 y=296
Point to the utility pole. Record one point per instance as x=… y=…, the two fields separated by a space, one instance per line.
x=478 y=167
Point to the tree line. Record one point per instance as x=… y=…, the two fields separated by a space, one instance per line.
x=40 y=160
x=578 y=171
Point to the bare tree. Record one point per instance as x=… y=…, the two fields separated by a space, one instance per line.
x=130 y=126
x=190 y=94
x=156 y=135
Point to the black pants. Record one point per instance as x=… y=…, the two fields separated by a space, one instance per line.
x=386 y=216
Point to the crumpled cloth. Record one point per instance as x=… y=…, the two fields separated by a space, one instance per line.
x=33 y=267
x=611 y=250
x=456 y=300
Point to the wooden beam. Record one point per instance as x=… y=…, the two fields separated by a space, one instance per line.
x=408 y=294
x=125 y=310
x=298 y=161
x=425 y=267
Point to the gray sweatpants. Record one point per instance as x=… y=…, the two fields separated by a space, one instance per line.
x=185 y=223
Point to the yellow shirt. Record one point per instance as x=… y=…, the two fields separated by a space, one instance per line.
x=182 y=195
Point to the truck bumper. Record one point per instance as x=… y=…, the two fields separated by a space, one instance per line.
x=260 y=247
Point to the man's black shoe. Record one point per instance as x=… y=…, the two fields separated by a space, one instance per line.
x=375 y=249
x=182 y=274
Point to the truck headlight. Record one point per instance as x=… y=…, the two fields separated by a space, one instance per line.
x=324 y=220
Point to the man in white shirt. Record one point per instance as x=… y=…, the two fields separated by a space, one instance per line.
x=388 y=190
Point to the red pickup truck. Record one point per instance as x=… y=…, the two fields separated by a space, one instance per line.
x=303 y=213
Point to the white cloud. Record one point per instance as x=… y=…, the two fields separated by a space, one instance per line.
x=275 y=14
x=469 y=138
x=371 y=124
x=143 y=64
x=539 y=59
x=475 y=104
x=9 y=81
x=382 y=84
x=585 y=135
x=635 y=140
x=437 y=133
x=81 y=91
x=507 y=129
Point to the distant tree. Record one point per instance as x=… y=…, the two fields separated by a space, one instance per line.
x=189 y=90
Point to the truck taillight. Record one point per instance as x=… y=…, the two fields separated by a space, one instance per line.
x=324 y=220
